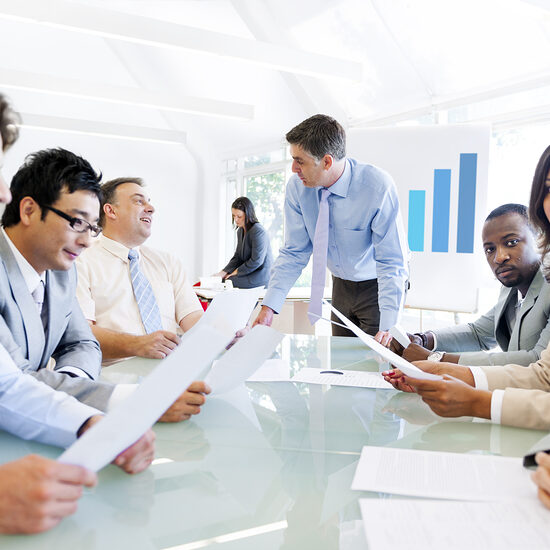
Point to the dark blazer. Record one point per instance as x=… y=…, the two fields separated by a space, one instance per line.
x=252 y=258
x=68 y=339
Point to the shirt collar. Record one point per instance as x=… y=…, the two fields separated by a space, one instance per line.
x=341 y=185
x=31 y=277
x=116 y=248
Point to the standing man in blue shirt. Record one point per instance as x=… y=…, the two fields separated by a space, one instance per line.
x=367 y=254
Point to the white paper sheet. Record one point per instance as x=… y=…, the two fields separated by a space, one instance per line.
x=402 y=364
x=441 y=475
x=131 y=419
x=437 y=525
x=233 y=307
x=352 y=378
x=242 y=359
x=272 y=370
x=400 y=335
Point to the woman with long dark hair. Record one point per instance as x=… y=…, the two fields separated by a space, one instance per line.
x=250 y=266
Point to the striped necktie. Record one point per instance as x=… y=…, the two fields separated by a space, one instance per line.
x=147 y=304
x=320 y=246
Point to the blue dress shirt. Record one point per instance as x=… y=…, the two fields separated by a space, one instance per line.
x=366 y=238
x=32 y=410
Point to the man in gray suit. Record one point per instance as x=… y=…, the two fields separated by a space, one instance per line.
x=36 y=492
x=51 y=220
x=519 y=321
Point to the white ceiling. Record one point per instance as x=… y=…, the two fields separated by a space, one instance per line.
x=267 y=64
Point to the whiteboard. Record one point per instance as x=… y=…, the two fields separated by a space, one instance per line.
x=416 y=157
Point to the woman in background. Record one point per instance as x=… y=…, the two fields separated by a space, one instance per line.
x=250 y=266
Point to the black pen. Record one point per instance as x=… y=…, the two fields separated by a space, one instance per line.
x=331 y=372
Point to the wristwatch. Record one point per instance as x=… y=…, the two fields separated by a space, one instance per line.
x=436 y=356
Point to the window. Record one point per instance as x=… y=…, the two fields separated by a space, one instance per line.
x=262 y=178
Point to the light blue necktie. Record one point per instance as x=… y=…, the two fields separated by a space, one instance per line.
x=320 y=247
x=147 y=304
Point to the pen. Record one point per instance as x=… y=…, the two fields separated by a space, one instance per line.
x=331 y=372
x=529 y=460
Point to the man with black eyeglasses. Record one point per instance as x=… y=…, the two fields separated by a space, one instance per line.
x=52 y=218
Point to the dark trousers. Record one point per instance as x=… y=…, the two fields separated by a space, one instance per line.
x=358 y=301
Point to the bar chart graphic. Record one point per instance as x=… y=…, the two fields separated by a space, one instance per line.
x=467 y=179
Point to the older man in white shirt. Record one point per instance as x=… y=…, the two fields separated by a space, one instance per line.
x=136 y=298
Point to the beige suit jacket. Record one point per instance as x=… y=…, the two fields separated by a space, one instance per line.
x=526 y=401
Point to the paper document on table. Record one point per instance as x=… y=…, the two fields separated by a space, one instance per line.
x=402 y=364
x=272 y=370
x=441 y=475
x=352 y=378
x=242 y=359
x=436 y=524
x=130 y=420
x=233 y=306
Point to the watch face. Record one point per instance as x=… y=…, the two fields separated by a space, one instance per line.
x=435 y=356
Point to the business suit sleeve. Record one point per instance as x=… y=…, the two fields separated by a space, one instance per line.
x=526 y=400
x=258 y=240
x=70 y=339
x=94 y=393
x=526 y=408
x=479 y=335
x=237 y=259
x=77 y=346
x=522 y=357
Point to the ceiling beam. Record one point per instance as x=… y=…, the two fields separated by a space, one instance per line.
x=102 y=129
x=125 y=95
x=143 y=30
x=510 y=87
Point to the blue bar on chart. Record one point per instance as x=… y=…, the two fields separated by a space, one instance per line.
x=441 y=210
x=466 y=203
x=417 y=208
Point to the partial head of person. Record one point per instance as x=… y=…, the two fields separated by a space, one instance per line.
x=54 y=212
x=318 y=150
x=539 y=203
x=243 y=213
x=9 y=132
x=126 y=211
x=509 y=242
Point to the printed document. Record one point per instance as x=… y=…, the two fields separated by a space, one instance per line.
x=402 y=364
x=437 y=474
x=449 y=525
x=352 y=378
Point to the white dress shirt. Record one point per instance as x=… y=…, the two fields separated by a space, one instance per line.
x=106 y=295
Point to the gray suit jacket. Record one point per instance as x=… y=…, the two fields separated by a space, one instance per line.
x=252 y=258
x=522 y=345
x=69 y=339
x=526 y=401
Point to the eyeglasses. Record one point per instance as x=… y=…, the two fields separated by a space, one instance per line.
x=77 y=224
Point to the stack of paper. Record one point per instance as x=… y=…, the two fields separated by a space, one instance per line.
x=498 y=507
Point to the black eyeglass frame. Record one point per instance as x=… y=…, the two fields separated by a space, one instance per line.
x=94 y=230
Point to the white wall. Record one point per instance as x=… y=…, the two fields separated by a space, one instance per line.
x=169 y=171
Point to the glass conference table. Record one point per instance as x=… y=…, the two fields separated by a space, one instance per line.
x=268 y=467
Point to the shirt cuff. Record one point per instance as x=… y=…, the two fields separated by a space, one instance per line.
x=496 y=406
x=74 y=371
x=274 y=299
x=388 y=318
x=480 y=378
x=120 y=393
